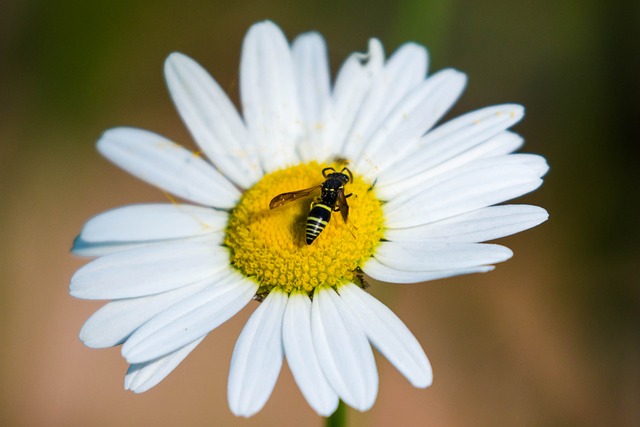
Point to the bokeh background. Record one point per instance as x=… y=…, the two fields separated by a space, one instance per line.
x=549 y=338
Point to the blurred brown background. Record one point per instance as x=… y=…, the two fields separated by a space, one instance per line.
x=549 y=338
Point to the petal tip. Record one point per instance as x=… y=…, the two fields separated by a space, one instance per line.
x=264 y=28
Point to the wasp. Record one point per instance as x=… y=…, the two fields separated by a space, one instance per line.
x=332 y=199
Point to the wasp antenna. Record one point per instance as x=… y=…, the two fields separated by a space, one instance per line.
x=348 y=173
x=324 y=171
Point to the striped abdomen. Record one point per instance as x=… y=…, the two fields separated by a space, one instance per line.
x=318 y=218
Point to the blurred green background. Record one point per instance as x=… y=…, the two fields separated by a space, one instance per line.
x=549 y=338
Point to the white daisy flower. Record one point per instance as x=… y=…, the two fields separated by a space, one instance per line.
x=422 y=200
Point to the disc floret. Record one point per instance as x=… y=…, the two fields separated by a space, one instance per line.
x=269 y=245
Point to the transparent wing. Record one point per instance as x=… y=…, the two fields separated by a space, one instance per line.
x=342 y=205
x=285 y=198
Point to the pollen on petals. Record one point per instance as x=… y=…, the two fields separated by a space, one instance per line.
x=269 y=245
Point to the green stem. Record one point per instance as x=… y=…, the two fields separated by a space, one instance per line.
x=339 y=417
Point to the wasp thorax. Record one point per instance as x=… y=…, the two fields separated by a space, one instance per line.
x=268 y=231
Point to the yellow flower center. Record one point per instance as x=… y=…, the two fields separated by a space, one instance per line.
x=269 y=245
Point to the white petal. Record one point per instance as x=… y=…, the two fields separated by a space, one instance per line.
x=302 y=358
x=414 y=115
x=115 y=321
x=143 y=376
x=430 y=256
x=86 y=249
x=162 y=163
x=482 y=123
x=148 y=270
x=453 y=139
x=404 y=70
x=533 y=161
x=462 y=164
x=389 y=335
x=314 y=91
x=351 y=87
x=477 y=226
x=482 y=183
x=152 y=222
x=481 y=155
x=212 y=119
x=343 y=350
x=97 y=249
x=384 y=273
x=257 y=357
x=505 y=142
x=268 y=93
x=189 y=319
